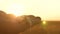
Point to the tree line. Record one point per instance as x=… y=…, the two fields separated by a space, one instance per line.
x=10 y=24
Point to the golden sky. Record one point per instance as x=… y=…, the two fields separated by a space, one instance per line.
x=46 y=9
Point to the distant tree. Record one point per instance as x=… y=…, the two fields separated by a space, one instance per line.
x=2 y=20
x=36 y=29
x=27 y=21
x=2 y=13
x=10 y=24
x=2 y=16
x=11 y=16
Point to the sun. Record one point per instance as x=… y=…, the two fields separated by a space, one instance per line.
x=44 y=22
x=15 y=9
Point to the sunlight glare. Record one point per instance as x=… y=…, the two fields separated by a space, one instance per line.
x=15 y=9
x=44 y=22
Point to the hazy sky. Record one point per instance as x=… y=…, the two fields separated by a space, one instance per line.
x=46 y=9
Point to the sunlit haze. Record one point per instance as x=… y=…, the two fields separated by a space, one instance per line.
x=46 y=9
x=16 y=9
